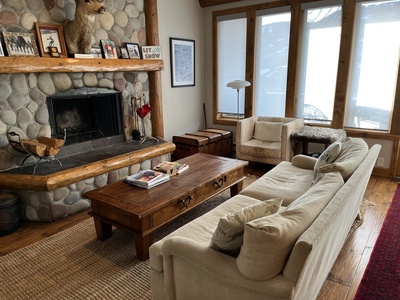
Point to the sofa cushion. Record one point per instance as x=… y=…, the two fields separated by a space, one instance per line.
x=203 y=227
x=328 y=156
x=228 y=236
x=283 y=181
x=304 y=161
x=268 y=131
x=268 y=241
x=354 y=150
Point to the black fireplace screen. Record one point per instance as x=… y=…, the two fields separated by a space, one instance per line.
x=85 y=117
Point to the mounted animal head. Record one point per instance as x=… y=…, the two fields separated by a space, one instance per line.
x=90 y=7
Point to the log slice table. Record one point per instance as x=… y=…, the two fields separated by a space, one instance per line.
x=141 y=212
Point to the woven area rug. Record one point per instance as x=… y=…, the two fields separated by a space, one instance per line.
x=73 y=264
x=381 y=279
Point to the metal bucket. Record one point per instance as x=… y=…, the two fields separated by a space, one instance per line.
x=9 y=214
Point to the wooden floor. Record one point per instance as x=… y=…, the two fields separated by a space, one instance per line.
x=345 y=275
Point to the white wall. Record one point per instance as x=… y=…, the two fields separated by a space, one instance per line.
x=183 y=106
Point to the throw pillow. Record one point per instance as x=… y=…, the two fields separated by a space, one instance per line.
x=354 y=150
x=268 y=131
x=268 y=241
x=228 y=236
x=328 y=156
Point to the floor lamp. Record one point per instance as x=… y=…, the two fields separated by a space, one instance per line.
x=238 y=84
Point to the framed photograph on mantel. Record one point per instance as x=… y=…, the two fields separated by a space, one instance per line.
x=182 y=62
x=109 y=50
x=20 y=44
x=133 y=50
x=50 y=36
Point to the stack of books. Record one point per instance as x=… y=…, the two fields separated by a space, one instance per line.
x=147 y=179
x=171 y=167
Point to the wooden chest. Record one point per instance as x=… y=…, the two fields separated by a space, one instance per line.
x=210 y=141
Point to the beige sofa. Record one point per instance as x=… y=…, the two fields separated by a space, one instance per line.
x=265 y=139
x=283 y=255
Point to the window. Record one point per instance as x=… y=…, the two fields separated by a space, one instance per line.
x=271 y=61
x=318 y=65
x=374 y=70
x=231 y=62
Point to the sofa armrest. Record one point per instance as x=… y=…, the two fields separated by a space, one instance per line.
x=287 y=129
x=304 y=161
x=245 y=129
x=191 y=266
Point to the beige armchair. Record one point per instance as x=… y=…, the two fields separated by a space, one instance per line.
x=265 y=139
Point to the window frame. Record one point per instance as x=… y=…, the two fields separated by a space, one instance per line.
x=347 y=35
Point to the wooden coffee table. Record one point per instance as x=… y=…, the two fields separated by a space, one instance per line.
x=142 y=211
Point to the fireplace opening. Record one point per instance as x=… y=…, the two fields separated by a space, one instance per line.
x=85 y=116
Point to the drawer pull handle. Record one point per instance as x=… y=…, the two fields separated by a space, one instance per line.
x=186 y=202
x=218 y=184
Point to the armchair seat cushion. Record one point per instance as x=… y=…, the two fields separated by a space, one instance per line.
x=261 y=148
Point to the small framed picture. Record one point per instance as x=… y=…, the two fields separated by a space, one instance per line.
x=1 y=49
x=124 y=52
x=54 y=52
x=20 y=44
x=50 y=35
x=133 y=50
x=109 y=50
x=182 y=62
x=96 y=52
x=151 y=52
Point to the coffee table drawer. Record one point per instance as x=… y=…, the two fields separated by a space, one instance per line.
x=174 y=209
x=193 y=198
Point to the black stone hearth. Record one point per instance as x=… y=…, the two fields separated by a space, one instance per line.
x=80 y=154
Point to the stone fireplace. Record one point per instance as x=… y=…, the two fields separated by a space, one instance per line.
x=24 y=105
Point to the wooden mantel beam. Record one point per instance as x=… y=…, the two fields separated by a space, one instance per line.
x=206 y=3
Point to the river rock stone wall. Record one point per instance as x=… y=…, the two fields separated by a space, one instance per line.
x=23 y=106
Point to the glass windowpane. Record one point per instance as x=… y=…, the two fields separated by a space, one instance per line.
x=375 y=65
x=273 y=32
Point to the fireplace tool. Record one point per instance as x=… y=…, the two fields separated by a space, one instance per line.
x=135 y=131
x=142 y=112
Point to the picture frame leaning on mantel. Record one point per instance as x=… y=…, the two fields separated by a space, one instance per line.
x=50 y=35
x=20 y=44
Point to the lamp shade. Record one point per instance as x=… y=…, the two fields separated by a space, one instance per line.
x=238 y=84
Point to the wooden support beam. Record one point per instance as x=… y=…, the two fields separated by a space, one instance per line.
x=155 y=89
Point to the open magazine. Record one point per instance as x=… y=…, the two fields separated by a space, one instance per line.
x=147 y=178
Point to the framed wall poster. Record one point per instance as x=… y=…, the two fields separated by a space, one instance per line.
x=20 y=44
x=151 y=52
x=182 y=62
x=109 y=50
x=133 y=50
x=50 y=35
